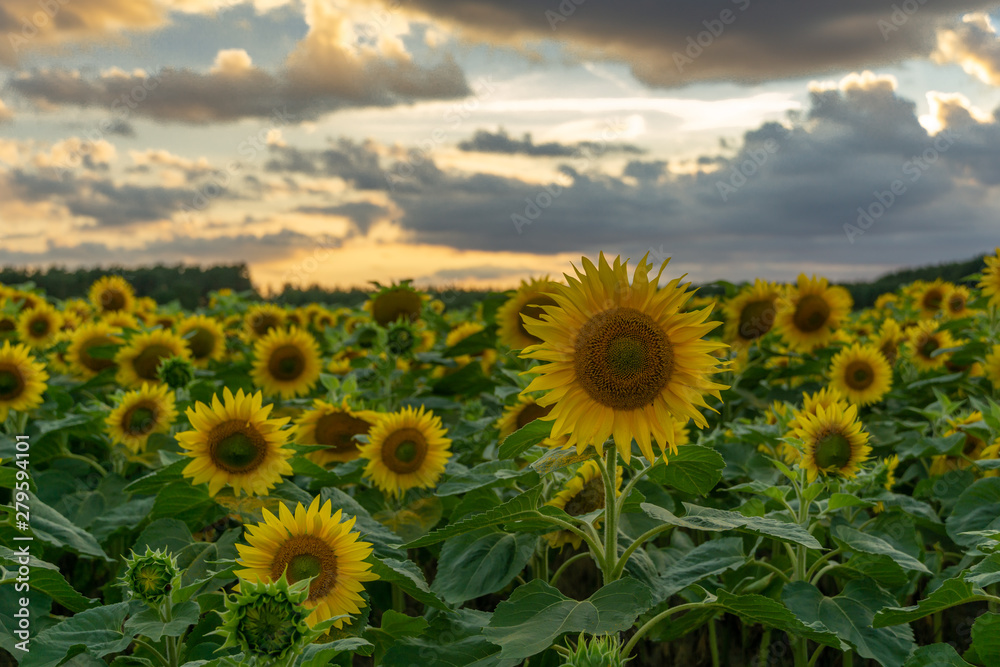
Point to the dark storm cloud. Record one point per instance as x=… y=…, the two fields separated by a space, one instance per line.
x=356 y=163
x=362 y=214
x=484 y=141
x=751 y=41
x=108 y=203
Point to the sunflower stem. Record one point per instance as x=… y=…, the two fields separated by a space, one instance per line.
x=85 y=459
x=398 y=601
x=562 y=568
x=639 y=541
x=171 y=642
x=648 y=625
x=611 y=510
x=149 y=647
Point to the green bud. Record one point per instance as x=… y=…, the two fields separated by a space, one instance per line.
x=152 y=576
x=267 y=620
x=598 y=651
x=177 y=372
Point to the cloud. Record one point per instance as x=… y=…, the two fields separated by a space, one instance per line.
x=362 y=213
x=484 y=141
x=322 y=74
x=973 y=44
x=356 y=163
x=5 y=113
x=675 y=43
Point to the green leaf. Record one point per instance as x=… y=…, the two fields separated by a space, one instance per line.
x=557 y=459
x=473 y=344
x=395 y=626
x=519 y=508
x=94 y=632
x=320 y=655
x=985 y=572
x=713 y=520
x=694 y=469
x=936 y=655
x=54 y=584
x=855 y=540
x=452 y=640
x=481 y=562
x=170 y=534
x=50 y=526
x=705 y=560
x=537 y=614
x=986 y=638
x=148 y=624
x=771 y=613
x=849 y=616
x=525 y=438
x=406 y=575
x=158 y=479
x=978 y=508
x=841 y=500
x=489 y=473
x=951 y=593
x=183 y=501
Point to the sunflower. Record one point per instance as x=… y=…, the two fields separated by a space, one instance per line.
x=464 y=330
x=861 y=373
x=112 y=293
x=990 y=284
x=8 y=323
x=205 y=337
x=623 y=359
x=972 y=449
x=406 y=449
x=522 y=413
x=930 y=297
x=888 y=340
x=89 y=350
x=140 y=413
x=751 y=313
x=812 y=312
x=924 y=340
x=390 y=303
x=286 y=362
x=525 y=303
x=139 y=360
x=260 y=319
x=314 y=542
x=335 y=428
x=992 y=367
x=956 y=303
x=121 y=319
x=832 y=441
x=22 y=380
x=581 y=495
x=234 y=443
x=991 y=452
x=37 y=327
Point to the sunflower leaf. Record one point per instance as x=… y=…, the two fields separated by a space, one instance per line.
x=525 y=438
x=706 y=518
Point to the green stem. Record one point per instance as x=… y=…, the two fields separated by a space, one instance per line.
x=815 y=655
x=590 y=538
x=562 y=568
x=819 y=575
x=631 y=485
x=765 y=647
x=149 y=647
x=648 y=625
x=85 y=459
x=398 y=601
x=171 y=642
x=819 y=561
x=642 y=539
x=848 y=659
x=773 y=568
x=713 y=643
x=610 y=514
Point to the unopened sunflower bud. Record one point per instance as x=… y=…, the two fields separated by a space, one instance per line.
x=267 y=620
x=598 y=651
x=176 y=372
x=152 y=576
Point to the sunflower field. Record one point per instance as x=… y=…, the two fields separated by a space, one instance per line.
x=602 y=469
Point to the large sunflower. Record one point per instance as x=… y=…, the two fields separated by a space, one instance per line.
x=234 y=443
x=38 y=326
x=91 y=348
x=205 y=337
x=925 y=339
x=624 y=361
x=751 y=313
x=990 y=284
x=22 y=380
x=286 y=363
x=406 y=449
x=261 y=319
x=973 y=447
x=334 y=427
x=313 y=542
x=930 y=297
x=861 y=373
x=812 y=313
x=832 y=441
x=140 y=413
x=396 y=301
x=581 y=495
x=139 y=360
x=112 y=293
x=527 y=302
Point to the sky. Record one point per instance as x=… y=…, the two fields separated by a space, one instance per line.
x=477 y=143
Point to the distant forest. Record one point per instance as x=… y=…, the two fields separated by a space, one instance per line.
x=190 y=285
